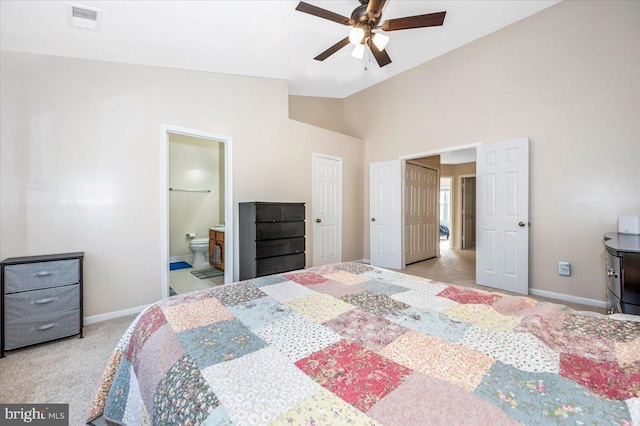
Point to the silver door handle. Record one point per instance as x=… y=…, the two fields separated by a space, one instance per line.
x=373 y=219
x=318 y=220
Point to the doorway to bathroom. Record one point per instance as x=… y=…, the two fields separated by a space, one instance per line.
x=198 y=215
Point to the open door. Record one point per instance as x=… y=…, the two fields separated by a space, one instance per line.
x=385 y=195
x=502 y=215
x=468 y=212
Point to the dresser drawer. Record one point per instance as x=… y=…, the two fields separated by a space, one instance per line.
x=32 y=330
x=275 y=265
x=270 y=231
x=269 y=248
x=279 y=212
x=39 y=275
x=39 y=302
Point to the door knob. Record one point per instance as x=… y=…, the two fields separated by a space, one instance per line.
x=521 y=223
x=318 y=220
x=373 y=219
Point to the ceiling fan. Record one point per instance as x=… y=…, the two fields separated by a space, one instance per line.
x=364 y=20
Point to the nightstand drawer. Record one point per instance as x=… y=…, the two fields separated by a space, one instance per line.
x=39 y=302
x=29 y=331
x=39 y=275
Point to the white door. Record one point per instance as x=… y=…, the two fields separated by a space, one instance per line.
x=468 y=212
x=502 y=215
x=385 y=214
x=327 y=209
x=421 y=227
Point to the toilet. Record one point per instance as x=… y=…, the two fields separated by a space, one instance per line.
x=200 y=249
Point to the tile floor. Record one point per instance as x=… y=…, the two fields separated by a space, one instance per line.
x=183 y=281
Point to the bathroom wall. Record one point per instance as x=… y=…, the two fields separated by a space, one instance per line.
x=194 y=163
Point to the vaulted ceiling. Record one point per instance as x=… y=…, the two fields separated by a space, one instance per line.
x=253 y=38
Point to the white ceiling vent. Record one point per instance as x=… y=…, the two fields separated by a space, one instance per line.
x=84 y=17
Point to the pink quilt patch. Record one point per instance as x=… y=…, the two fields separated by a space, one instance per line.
x=147 y=325
x=306 y=278
x=357 y=375
x=606 y=379
x=468 y=296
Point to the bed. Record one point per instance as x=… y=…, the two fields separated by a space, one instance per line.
x=354 y=344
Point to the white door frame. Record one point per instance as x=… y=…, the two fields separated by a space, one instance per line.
x=315 y=213
x=459 y=200
x=165 y=129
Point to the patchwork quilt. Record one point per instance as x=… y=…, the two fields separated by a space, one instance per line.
x=354 y=344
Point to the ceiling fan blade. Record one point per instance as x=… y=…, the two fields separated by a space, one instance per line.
x=333 y=49
x=418 y=21
x=323 y=13
x=374 y=8
x=381 y=56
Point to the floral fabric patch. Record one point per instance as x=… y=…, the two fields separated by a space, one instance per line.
x=306 y=278
x=320 y=307
x=545 y=398
x=483 y=316
x=357 y=375
x=469 y=296
x=378 y=304
x=438 y=358
x=431 y=323
x=235 y=294
x=364 y=328
x=606 y=379
x=346 y=278
x=191 y=315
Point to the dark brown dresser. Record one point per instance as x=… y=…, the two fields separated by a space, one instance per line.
x=272 y=238
x=41 y=299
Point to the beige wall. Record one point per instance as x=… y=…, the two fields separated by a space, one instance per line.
x=194 y=163
x=567 y=78
x=327 y=113
x=81 y=162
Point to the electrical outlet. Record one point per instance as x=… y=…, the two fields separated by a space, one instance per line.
x=564 y=268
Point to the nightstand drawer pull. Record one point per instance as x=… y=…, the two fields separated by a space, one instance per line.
x=46 y=300
x=45 y=326
x=45 y=273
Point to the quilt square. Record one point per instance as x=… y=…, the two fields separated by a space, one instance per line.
x=439 y=358
x=336 y=289
x=483 y=316
x=418 y=299
x=306 y=278
x=445 y=405
x=346 y=278
x=183 y=396
x=259 y=387
x=544 y=399
x=196 y=314
x=324 y=409
x=147 y=324
x=366 y=329
x=287 y=291
x=379 y=304
x=470 y=296
x=617 y=331
x=357 y=375
x=257 y=313
x=354 y=268
x=160 y=352
x=219 y=342
x=320 y=307
x=431 y=323
x=382 y=287
x=296 y=336
x=607 y=379
x=268 y=280
x=235 y=294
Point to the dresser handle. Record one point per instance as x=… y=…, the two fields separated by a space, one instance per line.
x=41 y=301
x=45 y=273
x=45 y=326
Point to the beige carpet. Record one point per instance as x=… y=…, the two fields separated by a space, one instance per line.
x=65 y=371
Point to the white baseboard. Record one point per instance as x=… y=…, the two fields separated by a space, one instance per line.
x=186 y=258
x=568 y=298
x=365 y=261
x=111 y=315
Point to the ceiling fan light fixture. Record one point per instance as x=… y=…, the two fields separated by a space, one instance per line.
x=358 y=51
x=380 y=41
x=356 y=35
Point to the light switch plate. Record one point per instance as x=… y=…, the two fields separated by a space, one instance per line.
x=564 y=268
